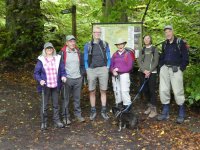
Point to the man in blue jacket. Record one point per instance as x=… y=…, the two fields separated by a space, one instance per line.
x=173 y=62
x=97 y=63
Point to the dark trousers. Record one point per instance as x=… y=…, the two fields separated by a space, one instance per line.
x=72 y=87
x=53 y=94
x=149 y=89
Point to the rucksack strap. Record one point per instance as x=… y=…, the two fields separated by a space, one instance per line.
x=103 y=46
x=178 y=43
x=64 y=54
x=153 y=48
x=125 y=55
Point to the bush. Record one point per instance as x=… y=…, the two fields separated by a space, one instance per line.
x=192 y=84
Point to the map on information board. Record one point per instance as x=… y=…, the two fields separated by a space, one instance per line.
x=131 y=32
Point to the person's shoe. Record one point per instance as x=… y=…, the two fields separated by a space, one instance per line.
x=80 y=119
x=127 y=108
x=148 y=109
x=165 y=113
x=104 y=113
x=119 y=105
x=93 y=114
x=43 y=126
x=66 y=121
x=180 y=120
x=181 y=115
x=153 y=112
x=58 y=124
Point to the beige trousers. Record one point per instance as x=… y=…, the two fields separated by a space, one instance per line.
x=169 y=79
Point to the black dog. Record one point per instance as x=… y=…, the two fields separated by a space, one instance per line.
x=125 y=119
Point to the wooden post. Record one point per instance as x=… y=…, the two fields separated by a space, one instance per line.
x=74 y=20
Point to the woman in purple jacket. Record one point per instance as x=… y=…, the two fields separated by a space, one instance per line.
x=121 y=65
x=49 y=71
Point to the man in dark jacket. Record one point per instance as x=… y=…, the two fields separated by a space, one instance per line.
x=173 y=62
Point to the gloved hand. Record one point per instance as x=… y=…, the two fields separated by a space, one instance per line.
x=64 y=79
x=42 y=82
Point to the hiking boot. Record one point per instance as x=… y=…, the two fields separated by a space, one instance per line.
x=43 y=126
x=181 y=115
x=104 y=113
x=119 y=105
x=153 y=112
x=126 y=108
x=66 y=121
x=165 y=113
x=58 y=124
x=93 y=113
x=148 y=110
x=80 y=119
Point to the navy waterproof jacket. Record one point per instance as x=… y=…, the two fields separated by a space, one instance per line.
x=40 y=74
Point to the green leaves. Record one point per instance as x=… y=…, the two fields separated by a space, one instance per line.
x=192 y=84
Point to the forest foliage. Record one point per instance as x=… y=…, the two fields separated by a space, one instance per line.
x=21 y=40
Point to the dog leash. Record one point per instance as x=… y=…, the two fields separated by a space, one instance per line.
x=140 y=90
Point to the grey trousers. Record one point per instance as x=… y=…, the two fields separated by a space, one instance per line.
x=53 y=94
x=72 y=87
x=169 y=79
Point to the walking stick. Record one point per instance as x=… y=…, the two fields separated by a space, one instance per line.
x=65 y=98
x=140 y=90
x=116 y=88
x=43 y=121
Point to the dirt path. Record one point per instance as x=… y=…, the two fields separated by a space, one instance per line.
x=20 y=124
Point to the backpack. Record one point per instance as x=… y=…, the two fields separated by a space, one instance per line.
x=178 y=42
x=127 y=51
x=64 y=54
x=152 y=51
x=103 y=46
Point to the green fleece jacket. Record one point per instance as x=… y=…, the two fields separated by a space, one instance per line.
x=148 y=60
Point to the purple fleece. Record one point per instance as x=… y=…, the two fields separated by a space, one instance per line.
x=122 y=62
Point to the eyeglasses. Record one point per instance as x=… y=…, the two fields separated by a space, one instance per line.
x=97 y=32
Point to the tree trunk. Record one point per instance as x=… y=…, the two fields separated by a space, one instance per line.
x=113 y=13
x=25 y=28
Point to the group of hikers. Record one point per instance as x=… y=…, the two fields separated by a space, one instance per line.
x=64 y=72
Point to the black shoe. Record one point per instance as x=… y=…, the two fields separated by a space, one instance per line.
x=44 y=126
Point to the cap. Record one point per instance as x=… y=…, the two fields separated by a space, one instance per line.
x=48 y=44
x=168 y=27
x=70 y=37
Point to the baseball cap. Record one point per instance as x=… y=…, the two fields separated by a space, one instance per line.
x=48 y=44
x=168 y=27
x=70 y=37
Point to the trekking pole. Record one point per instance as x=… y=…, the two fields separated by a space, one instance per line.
x=43 y=121
x=116 y=86
x=65 y=98
x=141 y=88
